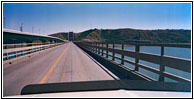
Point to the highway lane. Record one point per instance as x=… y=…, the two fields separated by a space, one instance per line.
x=65 y=63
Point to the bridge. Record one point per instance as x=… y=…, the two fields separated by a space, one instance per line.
x=13 y=36
x=59 y=62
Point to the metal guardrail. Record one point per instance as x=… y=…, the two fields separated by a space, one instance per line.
x=172 y=62
x=19 y=45
x=25 y=49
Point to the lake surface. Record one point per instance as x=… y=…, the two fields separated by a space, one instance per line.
x=168 y=51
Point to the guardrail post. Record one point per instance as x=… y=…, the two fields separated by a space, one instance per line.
x=30 y=50
x=96 y=47
x=7 y=57
x=15 y=53
x=113 y=53
x=136 y=59
x=162 y=67
x=6 y=47
x=102 y=50
x=107 y=50
x=93 y=47
x=22 y=52
x=122 y=58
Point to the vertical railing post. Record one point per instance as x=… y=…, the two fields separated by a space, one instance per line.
x=15 y=53
x=30 y=51
x=136 y=59
x=6 y=47
x=102 y=50
x=92 y=46
x=106 y=50
x=113 y=53
x=7 y=56
x=98 y=48
x=122 y=58
x=88 y=46
x=162 y=67
x=22 y=52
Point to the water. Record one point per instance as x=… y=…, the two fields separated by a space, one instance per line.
x=168 y=51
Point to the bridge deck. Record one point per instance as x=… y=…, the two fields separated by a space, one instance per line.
x=64 y=63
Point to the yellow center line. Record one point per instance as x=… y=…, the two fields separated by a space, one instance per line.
x=52 y=67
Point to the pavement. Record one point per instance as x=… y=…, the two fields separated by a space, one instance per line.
x=64 y=63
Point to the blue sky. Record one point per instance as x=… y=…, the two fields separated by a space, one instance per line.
x=77 y=17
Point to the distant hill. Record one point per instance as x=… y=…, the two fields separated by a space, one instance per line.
x=134 y=35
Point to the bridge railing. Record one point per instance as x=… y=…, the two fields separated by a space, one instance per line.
x=21 y=50
x=19 y=45
x=161 y=59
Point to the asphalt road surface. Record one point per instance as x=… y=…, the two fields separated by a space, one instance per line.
x=64 y=63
